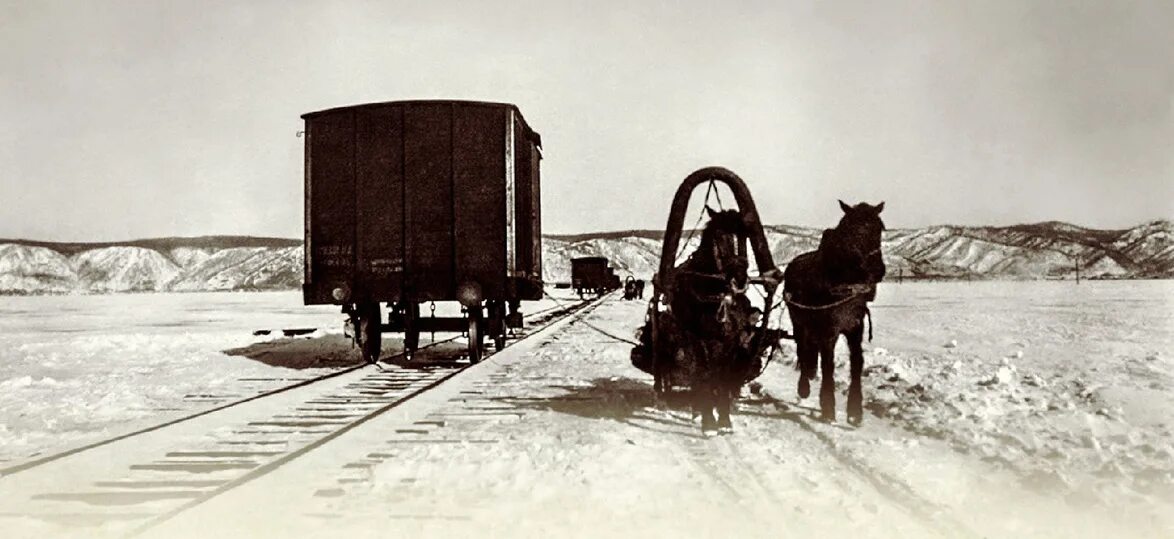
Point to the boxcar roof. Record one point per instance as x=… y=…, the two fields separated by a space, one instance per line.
x=367 y=106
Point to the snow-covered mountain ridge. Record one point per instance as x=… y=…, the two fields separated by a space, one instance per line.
x=1036 y=251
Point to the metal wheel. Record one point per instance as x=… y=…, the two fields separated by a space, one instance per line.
x=476 y=337
x=369 y=331
x=476 y=340
x=411 y=314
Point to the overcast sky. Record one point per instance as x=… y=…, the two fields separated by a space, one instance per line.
x=137 y=119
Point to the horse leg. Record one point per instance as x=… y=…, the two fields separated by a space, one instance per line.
x=807 y=352
x=703 y=403
x=660 y=385
x=726 y=393
x=855 y=391
x=827 y=386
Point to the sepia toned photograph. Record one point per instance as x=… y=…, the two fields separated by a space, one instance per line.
x=586 y=269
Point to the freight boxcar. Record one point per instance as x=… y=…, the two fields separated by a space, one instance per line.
x=423 y=201
x=589 y=275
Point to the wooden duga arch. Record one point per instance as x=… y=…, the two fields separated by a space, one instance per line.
x=769 y=275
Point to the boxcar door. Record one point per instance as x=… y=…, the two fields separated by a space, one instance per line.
x=428 y=199
x=379 y=201
x=330 y=199
x=478 y=196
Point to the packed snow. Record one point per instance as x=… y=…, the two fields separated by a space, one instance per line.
x=1025 y=409
x=75 y=369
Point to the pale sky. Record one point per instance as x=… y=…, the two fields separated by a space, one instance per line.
x=126 y=120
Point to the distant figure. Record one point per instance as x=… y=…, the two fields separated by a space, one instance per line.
x=629 y=288
x=640 y=288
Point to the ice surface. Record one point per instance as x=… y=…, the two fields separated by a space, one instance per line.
x=77 y=368
x=1054 y=397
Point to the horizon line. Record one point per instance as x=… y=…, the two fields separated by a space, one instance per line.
x=557 y=235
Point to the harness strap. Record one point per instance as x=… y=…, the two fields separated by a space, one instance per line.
x=853 y=291
x=787 y=298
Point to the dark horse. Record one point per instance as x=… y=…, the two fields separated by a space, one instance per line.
x=710 y=315
x=827 y=293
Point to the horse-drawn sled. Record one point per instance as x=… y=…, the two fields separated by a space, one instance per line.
x=702 y=330
x=633 y=288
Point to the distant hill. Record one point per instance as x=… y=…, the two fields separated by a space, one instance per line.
x=615 y=235
x=162 y=244
x=1049 y=250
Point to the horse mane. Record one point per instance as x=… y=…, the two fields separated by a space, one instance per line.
x=837 y=259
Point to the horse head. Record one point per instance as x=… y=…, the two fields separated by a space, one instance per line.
x=724 y=238
x=854 y=246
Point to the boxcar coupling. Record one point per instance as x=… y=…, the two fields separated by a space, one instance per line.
x=418 y=201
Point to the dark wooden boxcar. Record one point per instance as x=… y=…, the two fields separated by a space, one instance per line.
x=416 y=201
x=589 y=275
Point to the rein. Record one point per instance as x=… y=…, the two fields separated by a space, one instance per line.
x=854 y=291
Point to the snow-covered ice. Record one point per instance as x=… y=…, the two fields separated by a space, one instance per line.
x=75 y=369
x=1049 y=416
x=961 y=442
x=1067 y=384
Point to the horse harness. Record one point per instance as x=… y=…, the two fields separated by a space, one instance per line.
x=850 y=292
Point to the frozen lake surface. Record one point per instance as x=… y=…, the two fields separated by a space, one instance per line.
x=1069 y=387
x=75 y=369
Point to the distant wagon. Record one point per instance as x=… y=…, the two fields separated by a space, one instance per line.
x=423 y=201
x=590 y=275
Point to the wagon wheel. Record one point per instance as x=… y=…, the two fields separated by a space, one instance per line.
x=411 y=313
x=369 y=331
x=476 y=337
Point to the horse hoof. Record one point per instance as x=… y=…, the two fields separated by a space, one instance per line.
x=804 y=388
x=855 y=420
x=725 y=430
x=709 y=433
x=827 y=417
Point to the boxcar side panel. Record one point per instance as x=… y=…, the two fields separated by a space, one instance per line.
x=527 y=207
x=331 y=229
x=510 y=206
x=478 y=162
x=521 y=200
x=428 y=199
x=535 y=213
x=528 y=238
x=379 y=180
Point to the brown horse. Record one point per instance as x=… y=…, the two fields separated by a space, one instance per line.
x=710 y=315
x=827 y=292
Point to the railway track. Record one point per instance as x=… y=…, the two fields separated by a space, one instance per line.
x=125 y=485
